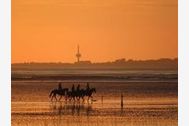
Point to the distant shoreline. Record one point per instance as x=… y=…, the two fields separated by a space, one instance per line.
x=115 y=76
x=120 y=64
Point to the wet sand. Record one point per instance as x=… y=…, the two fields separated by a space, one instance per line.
x=145 y=104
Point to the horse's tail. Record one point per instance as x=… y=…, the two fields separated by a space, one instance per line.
x=50 y=95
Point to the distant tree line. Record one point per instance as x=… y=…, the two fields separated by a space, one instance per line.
x=163 y=63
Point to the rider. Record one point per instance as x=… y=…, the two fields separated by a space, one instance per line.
x=87 y=87
x=73 y=88
x=78 y=87
x=60 y=86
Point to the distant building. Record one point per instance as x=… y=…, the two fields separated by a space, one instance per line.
x=78 y=54
x=87 y=62
x=122 y=61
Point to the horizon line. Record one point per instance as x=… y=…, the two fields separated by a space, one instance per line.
x=92 y=61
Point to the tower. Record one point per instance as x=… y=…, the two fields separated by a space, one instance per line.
x=78 y=55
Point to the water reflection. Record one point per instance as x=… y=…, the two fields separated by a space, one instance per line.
x=75 y=108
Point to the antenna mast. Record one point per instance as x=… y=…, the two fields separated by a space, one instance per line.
x=78 y=55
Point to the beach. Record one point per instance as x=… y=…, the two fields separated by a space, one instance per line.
x=145 y=103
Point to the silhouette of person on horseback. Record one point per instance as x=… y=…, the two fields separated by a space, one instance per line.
x=78 y=87
x=87 y=87
x=73 y=88
x=60 y=86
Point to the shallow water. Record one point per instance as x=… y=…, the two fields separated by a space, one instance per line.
x=96 y=75
x=145 y=104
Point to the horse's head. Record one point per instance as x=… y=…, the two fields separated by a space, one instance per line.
x=93 y=90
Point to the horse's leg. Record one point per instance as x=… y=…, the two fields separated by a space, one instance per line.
x=83 y=98
x=73 y=98
x=51 y=98
x=65 y=97
x=55 y=97
x=70 y=98
x=60 y=97
x=78 y=98
x=91 y=99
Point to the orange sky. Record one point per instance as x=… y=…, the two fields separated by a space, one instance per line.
x=49 y=30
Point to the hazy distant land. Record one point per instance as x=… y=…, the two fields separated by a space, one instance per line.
x=119 y=70
x=159 y=64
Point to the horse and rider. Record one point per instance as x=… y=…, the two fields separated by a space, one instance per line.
x=73 y=94
x=59 y=91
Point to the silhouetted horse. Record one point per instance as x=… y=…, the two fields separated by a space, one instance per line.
x=60 y=92
x=80 y=94
x=90 y=92
x=71 y=95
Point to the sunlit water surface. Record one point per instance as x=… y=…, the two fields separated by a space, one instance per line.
x=145 y=104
